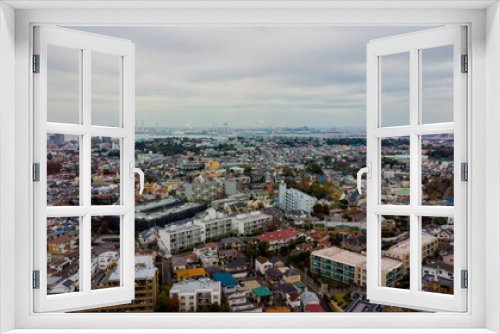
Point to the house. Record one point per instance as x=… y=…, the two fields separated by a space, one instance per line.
x=237 y=267
x=273 y=276
x=178 y=263
x=227 y=281
x=276 y=262
x=290 y=295
x=355 y=243
x=314 y=308
x=209 y=259
x=61 y=244
x=279 y=238
x=200 y=249
x=186 y=274
x=147 y=237
x=308 y=298
x=291 y=276
x=263 y=295
x=227 y=255
x=233 y=242
x=262 y=264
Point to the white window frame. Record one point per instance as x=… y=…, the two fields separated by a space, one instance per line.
x=482 y=19
x=413 y=44
x=124 y=52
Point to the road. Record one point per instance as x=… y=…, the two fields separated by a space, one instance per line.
x=167 y=271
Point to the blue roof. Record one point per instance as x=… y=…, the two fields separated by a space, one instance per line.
x=226 y=279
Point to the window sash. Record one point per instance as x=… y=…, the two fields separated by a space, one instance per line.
x=412 y=43
x=85 y=297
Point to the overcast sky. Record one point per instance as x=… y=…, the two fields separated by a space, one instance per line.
x=255 y=76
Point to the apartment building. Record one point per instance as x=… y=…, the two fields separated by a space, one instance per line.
x=194 y=294
x=146 y=287
x=346 y=266
x=295 y=200
x=176 y=237
x=249 y=223
x=401 y=251
x=214 y=224
x=209 y=189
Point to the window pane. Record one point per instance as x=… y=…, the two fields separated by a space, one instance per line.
x=437 y=254
x=105 y=89
x=105 y=171
x=63 y=84
x=437 y=84
x=395 y=251
x=105 y=252
x=395 y=89
x=395 y=168
x=63 y=255
x=438 y=170
x=63 y=169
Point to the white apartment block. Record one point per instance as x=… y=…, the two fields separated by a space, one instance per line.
x=214 y=224
x=295 y=200
x=177 y=237
x=202 y=292
x=249 y=223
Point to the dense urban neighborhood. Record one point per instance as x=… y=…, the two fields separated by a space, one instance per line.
x=241 y=220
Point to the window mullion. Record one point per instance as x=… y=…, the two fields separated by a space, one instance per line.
x=414 y=169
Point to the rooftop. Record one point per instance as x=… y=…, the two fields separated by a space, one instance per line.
x=226 y=279
x=193 y=286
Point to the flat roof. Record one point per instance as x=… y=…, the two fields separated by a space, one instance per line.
x=193 y=286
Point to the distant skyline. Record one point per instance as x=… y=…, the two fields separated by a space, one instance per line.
x=256 y=76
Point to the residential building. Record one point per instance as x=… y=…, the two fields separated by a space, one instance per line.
x=262 y=264
x=214 y=224
x=246 y=224
x=295 y=200
x=187 y=274
x=279 y=238
x=177 y=237
x=194 y=294
x=209 y=189
x=401 y=251
x=146 y=287
x=346 y=266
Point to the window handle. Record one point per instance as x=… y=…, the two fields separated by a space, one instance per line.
x=365 y=170
x=135 y=170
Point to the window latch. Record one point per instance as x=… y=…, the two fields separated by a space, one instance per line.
x=133 y=170
x=365 y=170
x=465 y=64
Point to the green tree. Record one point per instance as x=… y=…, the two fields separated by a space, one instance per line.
x=225 y=307
x=247 y=171
x=287 y=172
x=315 y=168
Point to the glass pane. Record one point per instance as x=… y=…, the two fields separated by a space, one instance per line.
x=63 y=84
x=105 y=269
x=106 y=88
x=438 y=169
x=437 y=254
x=395 y=168
x=437 y=84
x=63 y=255
x=395 y=251
x=395 y=89
x=105 y=171
x=63 y=169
